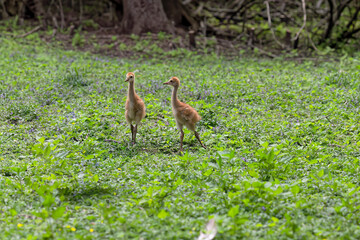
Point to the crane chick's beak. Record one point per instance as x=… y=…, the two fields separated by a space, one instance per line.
x=127 y=79
x=166 y=83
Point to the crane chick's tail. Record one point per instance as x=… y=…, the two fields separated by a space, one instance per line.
x=197 y=117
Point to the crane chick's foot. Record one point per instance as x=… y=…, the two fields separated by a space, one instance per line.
x=198 y=138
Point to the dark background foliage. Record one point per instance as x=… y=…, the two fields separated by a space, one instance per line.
x=275 y=24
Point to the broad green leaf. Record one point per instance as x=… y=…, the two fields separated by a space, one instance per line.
x=95 y=178
x=162 y=214
x=321 y=173
x=233 y=211
x=253 y=174
x=59 y=212
x=208 y=172
x=295 y=189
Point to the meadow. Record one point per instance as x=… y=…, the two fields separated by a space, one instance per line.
x=282 y=135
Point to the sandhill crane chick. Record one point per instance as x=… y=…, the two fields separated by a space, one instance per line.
x=134 y=107
x=184 y=114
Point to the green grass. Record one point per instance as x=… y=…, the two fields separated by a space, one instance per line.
x=282 y=160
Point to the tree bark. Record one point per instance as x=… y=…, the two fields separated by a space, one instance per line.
x=141 y=16
x=3 y=12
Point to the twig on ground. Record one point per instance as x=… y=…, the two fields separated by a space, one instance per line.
x=328 y=119
x=326 y=116
x=30 y=32
x=265 y=52
x=112 y=140
x=335 y=145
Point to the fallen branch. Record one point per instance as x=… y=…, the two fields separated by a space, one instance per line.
x=30 y=32
x=265 y=52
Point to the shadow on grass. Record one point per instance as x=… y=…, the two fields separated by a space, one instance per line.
x=94 y=192
x=125 y=148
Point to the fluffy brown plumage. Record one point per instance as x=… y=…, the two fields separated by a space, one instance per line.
x=134 y=107
x=184 y=114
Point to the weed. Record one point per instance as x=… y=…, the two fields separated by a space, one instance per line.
x=75 y=78
x=161 y=36
x=89 y=23
x=78 y=40
x=17 y=111
x=134 y=37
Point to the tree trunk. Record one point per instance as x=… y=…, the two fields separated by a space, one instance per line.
x=141 y=16
x=3 y=13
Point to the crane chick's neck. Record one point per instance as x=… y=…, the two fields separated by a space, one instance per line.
x=174 y=99
x=131 y=90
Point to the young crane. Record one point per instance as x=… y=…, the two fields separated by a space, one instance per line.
x=134 y=107
x=184 y=114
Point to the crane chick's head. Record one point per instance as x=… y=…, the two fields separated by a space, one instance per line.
x=174 y=81
x=130 y=77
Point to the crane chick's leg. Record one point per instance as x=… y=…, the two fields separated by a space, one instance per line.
x=180 y=128
x=198 y=138
x=132 y=132
x=135 y=132
x=181 y=140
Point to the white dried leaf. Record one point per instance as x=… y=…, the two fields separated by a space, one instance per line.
x=210 y=231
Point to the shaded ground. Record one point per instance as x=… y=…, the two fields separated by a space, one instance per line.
x=107 y=41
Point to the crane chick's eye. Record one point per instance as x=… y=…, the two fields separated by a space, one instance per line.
x=130 y=76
